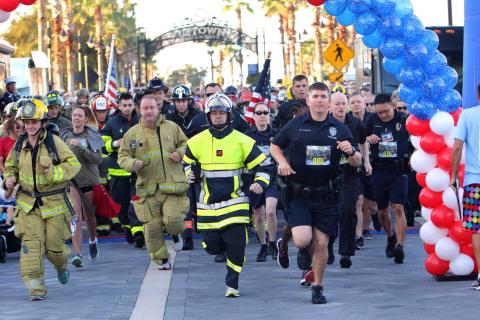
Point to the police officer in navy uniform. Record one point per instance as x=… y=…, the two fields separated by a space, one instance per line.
x=314 y=144
x=352 y=184
x=299 y=92
x=10 y=94
x=390 y=153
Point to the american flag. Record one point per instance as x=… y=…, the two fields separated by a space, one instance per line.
x=261 y=92
x=112 y=86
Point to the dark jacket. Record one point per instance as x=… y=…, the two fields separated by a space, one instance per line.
x=184 y=123
x=285 y=113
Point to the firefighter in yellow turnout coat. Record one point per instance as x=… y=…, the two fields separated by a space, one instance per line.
x=154 y=149
x=42 y=217
x=222 y=206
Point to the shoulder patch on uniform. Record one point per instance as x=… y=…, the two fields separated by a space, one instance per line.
x=399 y=126
x=332 y=131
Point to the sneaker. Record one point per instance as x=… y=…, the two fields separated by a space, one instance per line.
x=177 y=243
x=166 y=265
x=376 y=222
x=232 y=293
x=273 y=250
x=139 y=239
x=77 y=260
x=331 y=257
x=359 y=243
x=476 y=284
x=304 y=259
x=220 y=258
x=398 y=254
x=37 y=297
x=128 y=235
x=307 y=278
x=262 y=254
x=63 y=276
x=367 y=235
x=390 y=246
x=283 y=259
x=93 y=250
x=188 y=244
x=317 y=295
x=345 y=262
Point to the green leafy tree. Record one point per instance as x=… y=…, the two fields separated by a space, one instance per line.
x=21 y=36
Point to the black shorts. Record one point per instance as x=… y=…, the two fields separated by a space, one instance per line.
x=86 y=189
x=258 y=200
x=323 y=215
x=366 y=188
x=389 y=187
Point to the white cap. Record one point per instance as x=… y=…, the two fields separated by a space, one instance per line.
x=10 y=80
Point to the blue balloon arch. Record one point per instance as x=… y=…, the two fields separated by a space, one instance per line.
x=410 y=51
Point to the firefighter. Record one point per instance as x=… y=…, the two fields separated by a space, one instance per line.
x=55 y=105
x=42 y=217
x=153 y=149
x=217 y=157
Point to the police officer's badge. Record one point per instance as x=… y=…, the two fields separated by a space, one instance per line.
x=399 y=126
x=332 y=131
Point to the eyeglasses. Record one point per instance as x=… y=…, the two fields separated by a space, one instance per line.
x=401 y=108
x=259 y=113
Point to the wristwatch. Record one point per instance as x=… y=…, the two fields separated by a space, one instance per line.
x=353 y=152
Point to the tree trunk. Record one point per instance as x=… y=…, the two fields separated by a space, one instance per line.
x=99 y=44
x=57 y=56
x=318 y=62
x=282 y=39
x=292 y=40
x=69 y=57
x=220 y=67
x=41 y=29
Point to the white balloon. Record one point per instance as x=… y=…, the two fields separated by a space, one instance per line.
x=426 y=213
x=437 y=180
x=430 y=234
x=450 y=199
x=449 y=138
x=441 y=123
x=462 y=265
x=415 y=140
x=422 y=162
x=4 y=16
x=447 y=249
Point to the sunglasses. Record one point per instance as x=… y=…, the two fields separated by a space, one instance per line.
x=209 y=94
x=259 y=113
x=369 y=104
x=401 y=108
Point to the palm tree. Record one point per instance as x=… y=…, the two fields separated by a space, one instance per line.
x=317 y=25
x=68 y=28
x=57 y=53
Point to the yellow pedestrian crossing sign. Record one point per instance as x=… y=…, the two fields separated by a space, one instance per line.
x=338 y=54
x=335 y=77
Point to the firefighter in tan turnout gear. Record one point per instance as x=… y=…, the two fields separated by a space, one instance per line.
x=153 y=149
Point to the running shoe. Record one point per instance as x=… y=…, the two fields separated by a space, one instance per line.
x=367 y=235
x=304 y=259
x=359 y=243
x=77 y=260
x=232 y=293
x=307 y=278
x=177 y=243
x=283 y=259
x=345 y=262
x=166 y=265
x=37 y=297
x=262 y=254
x=63 y=276
x=398 y=254
x=317 y=295
x=273 y=251
x=93 y=250
x=391 y=241
x=476 y=284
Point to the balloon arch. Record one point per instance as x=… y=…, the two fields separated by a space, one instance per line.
x=427 y=82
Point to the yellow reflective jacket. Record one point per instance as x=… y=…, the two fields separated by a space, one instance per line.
x=159 y=171
x=29 y=176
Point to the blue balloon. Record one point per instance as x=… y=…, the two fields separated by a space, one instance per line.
x=451 y=101
x=430 y=40
x=434 y=88
x=413 y=30
x=392 y=48
x=359 y=6
x=435 y=63
x=383 y=8
x=335 y=7
x=366 y=23
x=411 y=76
x=393 y=66
x=408 y=95
x=449 y=75
x=391 y=26
x=373 y=40
x=403 y=8
x=422 y=109
x=416 y=54
x=346 y=18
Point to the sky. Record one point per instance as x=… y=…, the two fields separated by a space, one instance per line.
x=156 y=17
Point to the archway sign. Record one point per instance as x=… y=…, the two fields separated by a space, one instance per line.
x=427 y=84
x=201 y=28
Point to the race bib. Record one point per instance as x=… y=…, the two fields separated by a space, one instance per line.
x=387 y=149
x=265 y=150
x=318 y=155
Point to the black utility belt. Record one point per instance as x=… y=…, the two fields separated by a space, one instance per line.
x=348 y=170
x=399 y=165
x=43 y=194
x=327 y=192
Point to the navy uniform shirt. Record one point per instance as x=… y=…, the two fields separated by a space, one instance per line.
x=357 y=129
x=311 y=147
x=394 y=139
x=263 y=139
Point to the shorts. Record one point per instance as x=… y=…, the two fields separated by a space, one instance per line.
x=389 y=187
x=323 y=215
x=258 y=200
x=86 y=189
x=366 y=188
x=471 y=207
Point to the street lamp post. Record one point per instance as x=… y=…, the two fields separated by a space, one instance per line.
x=210 y=53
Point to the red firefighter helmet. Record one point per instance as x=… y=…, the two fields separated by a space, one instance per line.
x=100 y=103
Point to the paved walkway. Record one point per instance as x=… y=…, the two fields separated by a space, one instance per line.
x=123 y=285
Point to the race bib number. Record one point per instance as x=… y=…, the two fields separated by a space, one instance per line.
x=265 y=150
x=387 y=149
x=318 y=156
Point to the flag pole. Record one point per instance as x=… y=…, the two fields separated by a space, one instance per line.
x=110 y=64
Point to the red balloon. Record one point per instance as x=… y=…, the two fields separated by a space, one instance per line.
x=421 y=179
x=429 y=248
x=435 y=265
x=416 y=126
x=443 y=217
x=456 y=114
x=316 y=3
x=468 y=250
x=444 y=159
x=8 y=5
x=432 y=143
x=459 y=234
x=430 y=199
x=27 y=2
